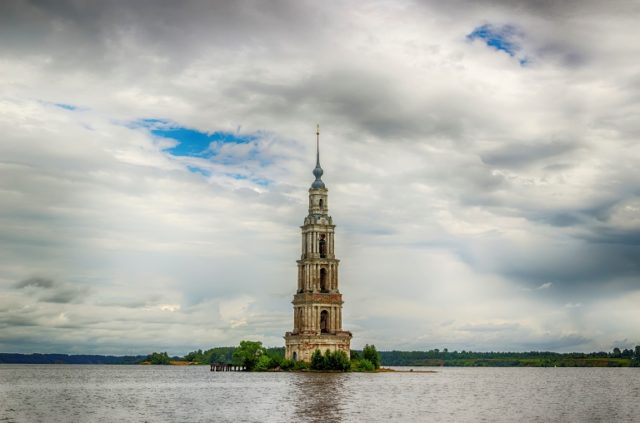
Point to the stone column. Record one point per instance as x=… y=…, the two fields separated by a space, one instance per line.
x=304 y=277
x=334 y=322
x=314 y=311
x=316 y=237
x=334 y=276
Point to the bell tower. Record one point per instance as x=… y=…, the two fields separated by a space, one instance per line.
x=317 y=304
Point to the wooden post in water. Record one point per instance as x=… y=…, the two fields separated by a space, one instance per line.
x=226 y=367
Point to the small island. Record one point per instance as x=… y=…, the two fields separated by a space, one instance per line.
x=252 y=356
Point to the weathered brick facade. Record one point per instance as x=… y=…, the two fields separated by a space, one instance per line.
x=317 y=304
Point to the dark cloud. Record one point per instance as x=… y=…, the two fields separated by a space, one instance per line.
x=616 y=237
x=548 y=9
x=517 y=155
x=565 y=343
x=48 y=290
x=35 y=282
x=489 y=327
x=95 y=35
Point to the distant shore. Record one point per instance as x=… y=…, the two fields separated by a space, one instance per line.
x=617 y=358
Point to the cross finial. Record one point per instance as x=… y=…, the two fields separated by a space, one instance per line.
x=318 y=145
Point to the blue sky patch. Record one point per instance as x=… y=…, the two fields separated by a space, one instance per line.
x=66 y=106
x=194 y=143
x=191 y=142
x=502 y=38
x=261 y=181
x=195 y=169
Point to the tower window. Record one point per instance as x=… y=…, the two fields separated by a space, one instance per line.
x=324 y=321
x=321 y=203
x=323 y=246
x=323 y=280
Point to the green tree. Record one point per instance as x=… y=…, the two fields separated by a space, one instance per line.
x=341 y=361
x=370 y=353
x=195 y=356
x=362 y=365
x=337 y=360
x=317 y=360
x=287 y=364
x=248 y=353
x=158 y=358
x=330 y=361
x=635 y=362
x=616 y=352
x=300 y=365
x=264 y=363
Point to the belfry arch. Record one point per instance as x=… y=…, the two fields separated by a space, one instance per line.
x=323 y=280
x=324 y=321
x=322 y=246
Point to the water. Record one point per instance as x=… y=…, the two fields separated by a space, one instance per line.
x=75 y=393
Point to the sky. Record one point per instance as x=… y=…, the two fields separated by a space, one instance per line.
x=481 y=159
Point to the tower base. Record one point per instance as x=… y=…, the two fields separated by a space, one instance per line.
x=299 y=347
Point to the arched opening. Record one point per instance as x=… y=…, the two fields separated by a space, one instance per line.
x=323 y=246
x=295 y=356
x=324 y=321
x=321 y=203
x=323 y=280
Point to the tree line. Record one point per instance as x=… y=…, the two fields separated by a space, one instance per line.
x=435 y=357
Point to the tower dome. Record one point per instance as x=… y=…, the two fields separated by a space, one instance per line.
x=317 y=171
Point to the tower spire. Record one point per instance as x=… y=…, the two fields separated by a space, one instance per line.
x=318 y=145
x=317 y=172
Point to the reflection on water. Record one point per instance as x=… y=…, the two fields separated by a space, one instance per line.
x=319 y=397
x=63 y=393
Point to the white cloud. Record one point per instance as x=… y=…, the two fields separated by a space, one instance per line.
x=460 y=180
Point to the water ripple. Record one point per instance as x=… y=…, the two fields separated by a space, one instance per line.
x=62 y=393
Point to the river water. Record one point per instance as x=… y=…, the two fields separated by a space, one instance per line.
x=92 y=393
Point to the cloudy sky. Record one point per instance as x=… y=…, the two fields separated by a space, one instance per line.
x=481 y=158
